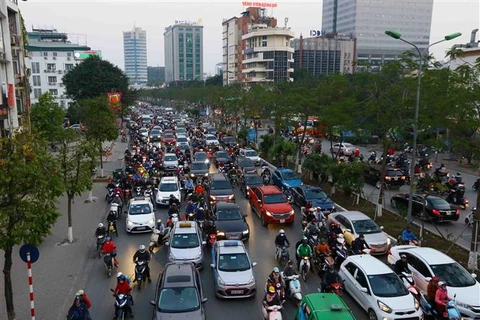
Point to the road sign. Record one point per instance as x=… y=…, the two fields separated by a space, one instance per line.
x=251 y=134
x=27 y=248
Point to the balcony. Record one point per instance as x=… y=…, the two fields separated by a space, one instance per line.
x=254 y=69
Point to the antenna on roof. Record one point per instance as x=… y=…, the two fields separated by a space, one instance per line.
x=286 y=21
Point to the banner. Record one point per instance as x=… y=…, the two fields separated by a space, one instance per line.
x=251 y=135
x=114 y=99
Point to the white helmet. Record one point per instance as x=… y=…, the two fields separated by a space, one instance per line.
x=281 y=231
x=119 y=274
x=141 y=248
x=100 y=225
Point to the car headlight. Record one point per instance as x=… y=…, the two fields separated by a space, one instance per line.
x=221 y=283
x=192 y=175
x=245 y=232
x=130 y=223
x=417 y=305
x=384 y=307
x=463 y=305
x=251 y=282
x=151 y=221
x=268 y=213
x=206 y=174
x=231 y=197
x=220 y=234
x=207 y=161
x=213 y=198
x=292 y=211
x=199 y=254
x=171 y=256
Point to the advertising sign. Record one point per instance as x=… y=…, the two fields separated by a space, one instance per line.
x=259 y=4
x=251 y=134
x=114 y=99
x=11 y=95
x=317 y=33
x=82 y=55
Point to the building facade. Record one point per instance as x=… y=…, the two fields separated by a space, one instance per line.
x=331 y=53
x=219 y=69
x=135 y=56
x=156 y=76
x=367 y=21
x=50 y=55
x=183 y=51
x=268 y=56
x=467 y=53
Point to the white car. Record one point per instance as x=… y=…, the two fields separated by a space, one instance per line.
x=425 y=263
x=143 y=132
x=140 y=215
x=210 y=138
x=182 y=141
x=377 y=289
x=170 y=162
x=345 y=148
x=251 y=154
x=167 y=187
x=185 y=243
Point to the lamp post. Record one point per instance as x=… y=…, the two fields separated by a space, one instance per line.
x=398 y=36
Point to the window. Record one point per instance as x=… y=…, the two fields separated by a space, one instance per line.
x=37 y=92
x=264 y=41
x=69 y=54
x=35 y=67
x=53 y=92
x=351 y=268
x=36 y=81
x=68 y=66
x=361 y=279
x=52 y=80
x=45 y=54
x=54 y=54
x=418 y=265
x=51 y=67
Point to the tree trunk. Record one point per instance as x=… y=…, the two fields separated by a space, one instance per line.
x=381 y=192
x=69 y=217
x=8 y=290
x=101 y=159
x=300 y=145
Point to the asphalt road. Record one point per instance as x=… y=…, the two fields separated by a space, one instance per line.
x=260 y=248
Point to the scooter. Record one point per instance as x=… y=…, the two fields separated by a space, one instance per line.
x=469 y=218
x=114 y=207
x=304 y=267
x=266 y=179
x=452 y=312
x=100 y=241
x=173 y=220
x=121 y=306
x=282 y=255
x=138 y=191
x=410 y=284
x=272 y=312
x=212 y=238
x=156 y=236
x=341 y=252
x=112 y=229
x=336 y=288
x=140 y=268
x=109 y=196
x=108 y=262
x=294 y=288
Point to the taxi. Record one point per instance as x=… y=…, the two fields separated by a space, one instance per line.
x=185 y=243
x=232 y=270
x=318 y=306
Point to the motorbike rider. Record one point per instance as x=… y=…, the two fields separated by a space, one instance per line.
x=360 y=244
x=83 y=296
x=101 y=230
x=173 y=200
x=200 y=214
x=199 y=190
x=275 y=279
x=123 y=287
x=311 y=228
x=232 y=172
x=281 y=241
x=304 y=250
x=190 y=208
x=143 y=255
x=408 y=235
x=271 y=299
x=172 y=210
x=432 y=290
x=118 y=201
x=78 y=310
x=402 y=265
x=110 y=185
x=441 y=297
x=112 y=217
x=288 y=272
x=109 y=247
x=210 y=228
x=323 y=248
x=331 y=276
x=161 y=228
x=188 y=186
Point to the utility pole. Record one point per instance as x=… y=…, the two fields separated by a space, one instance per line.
x=473 y=256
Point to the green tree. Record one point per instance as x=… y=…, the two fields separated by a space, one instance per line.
x=47 y=118
x=30 y=186
x=216 y=80
x=94 y=77
x=351 y=177
x=76 y=158
x=76 y=113
x=100 y=123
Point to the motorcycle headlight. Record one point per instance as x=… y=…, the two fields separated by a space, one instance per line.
x=384 y=307
x=206 y=174
x=231 y=197
x=220 y=234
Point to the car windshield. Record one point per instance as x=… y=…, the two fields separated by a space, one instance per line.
x=141 y=208
x=154 y=133
x=253 y=179
x=439 y=203
x=211 y=138
x=394 y=173
x=220 y=185
x=200 y=156
x=289 y=175
x=168 y=136
x=178 y=299
x=233 y=262
x=180 y=130
x=182 y=140
x=245 y=163
x=366 y=226
x=199 y=166
x=453 y=274
x=251 y=153
x=315 y=194
x=387 y=285
x=166 y=187
x=170 y=158
x=222 y=155
x=143 y=130
x=274 y=198
x=229 y=214
x=185 y=241
x=228 y=140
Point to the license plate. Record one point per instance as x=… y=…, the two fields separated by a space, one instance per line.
x=141 y=228
x=282 y=220
x=237 y=291
x=449 y=213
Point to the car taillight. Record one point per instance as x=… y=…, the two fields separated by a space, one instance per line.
x=457 y=212
x=435 y=211
x=389 y=251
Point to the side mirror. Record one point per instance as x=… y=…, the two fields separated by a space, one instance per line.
x=348 y=230
x=167 y=243
x=364 y=290
x=212 y=265
x=381 y=227
x=259 y=201
x=204 y=243
x=244 y=215
x=474 y=275
x=204 y=300
x=153 y=303
x=254 y=264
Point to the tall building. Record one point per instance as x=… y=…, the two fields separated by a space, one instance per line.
x=50 y=55
x=183 y=51
x=367 y=21
x=324 y=55
x=135 y=55
x=219 y=69
x=156 y=75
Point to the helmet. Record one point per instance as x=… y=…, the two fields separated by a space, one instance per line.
x=119 y=275
x=100 y=225
x=442 y=284
x=80 y=292
x=141 y=248
x=174 y=204
x=159 y=221
x=281 y=231
x=121 y=278
x=271 y=289
x=172 y=196
x=276 y=270
x=322 y=240
x=200 y=208
x=108 y=239
x=304 y=240
x=290 y=263
x=436 y=279
x=361 y=236
x=117 y=196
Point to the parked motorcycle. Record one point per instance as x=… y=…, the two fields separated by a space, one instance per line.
x=140 y=268
x=294 y=288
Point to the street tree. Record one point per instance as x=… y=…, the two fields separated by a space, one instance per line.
x=47 y=118
x=101 y=125
x=94 y=77
x=76 y=157
x=30 y=186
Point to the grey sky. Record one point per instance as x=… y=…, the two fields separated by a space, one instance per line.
x=104 y=20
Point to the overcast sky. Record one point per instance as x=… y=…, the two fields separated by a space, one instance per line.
x=102 y=21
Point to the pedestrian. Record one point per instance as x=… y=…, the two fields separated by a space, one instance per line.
x=84 y=297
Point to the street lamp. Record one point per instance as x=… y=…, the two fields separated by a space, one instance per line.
x=398 y=36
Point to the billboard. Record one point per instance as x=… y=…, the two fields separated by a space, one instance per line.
x=82 y=55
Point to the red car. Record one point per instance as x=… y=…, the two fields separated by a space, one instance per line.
x=168 y=138
x=271 y=205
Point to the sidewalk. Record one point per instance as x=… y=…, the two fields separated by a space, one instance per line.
x=62 y=268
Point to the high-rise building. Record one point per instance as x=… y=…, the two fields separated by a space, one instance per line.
x=156 y=76
x=183 y=51
x=367 y=21
x=135 y=55
x=50 y=56
x=219 y=69
x=324 y=55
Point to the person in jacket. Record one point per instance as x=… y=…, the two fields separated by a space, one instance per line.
x=78 y=310
x=281 y=241
x=432 y=290
x=441 y=297
x=123 y=287
x=304 y=250
x=331 y=276
x=143 y=255
x=408 y=235
x=402 y=265
x=109 y=247
x=359 y=244
x=288 y=272
x=83 y=296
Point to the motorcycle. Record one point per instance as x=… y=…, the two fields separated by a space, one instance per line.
x=114 y=207
x=173 y=219
x=127 y=194
x=108 y=262
x=457 y=196
x=234 y=180
x=410 y=284
x=191 y=216
x=121 y=305
x=323 y=262
x=148 y=193
x=124 y=139
x=294 y=288
x=476 y=185
x=341 y=252
x=336 y=288
x=266 y=179
x=112 y=229
x=138 y=191
x=288 y=194
x=212 y=238
x=140 y=268
x=156 y=236
x=272 y=312
x=100 y=241
x=469 y=219
x=109 y=196
x=304 y=267
x=282 y=255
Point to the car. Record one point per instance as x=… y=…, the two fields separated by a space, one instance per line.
x=183 y=147
x=232 y=270
x=245 y=164
x=211 y=130
x=319 y=306
x=220 y=189
x=182 y=140
x=140 y=215
x=143 y=132
x=170 y=162
x=230 y=222
x=168 y=139
x=228 y=141
x=427 y=207
x=211 y=139
x=167 y=187
x=249 y=181
x=425 y=263
x=394 y=177
x=354 y=223
x=271 y=205
x=250 y=154
x=179 y=293
x=180 y=131
x=201 y=156
x=344 y=148
x=155 y=135
x=286 y=179
x=221 y=157
x=319 y=199
x=198 y=169
x=377 y=289
x=185 y=243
